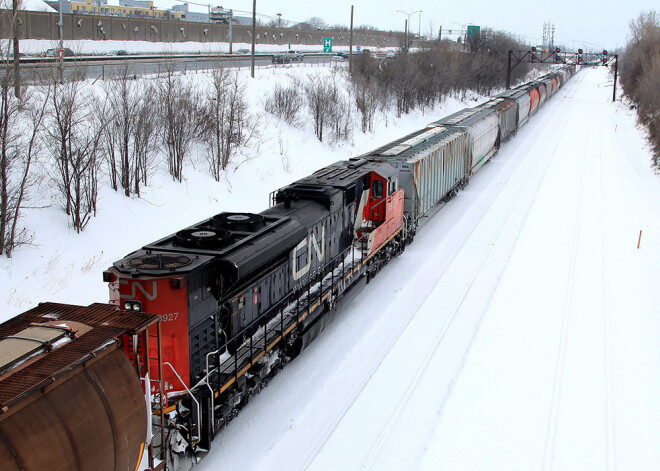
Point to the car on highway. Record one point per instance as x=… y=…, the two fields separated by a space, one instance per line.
x=242 y=51
x=10 y=55
x=118 y=52
x=53 y=52
x=295 y=55
x=280 y=59
x=340 y=57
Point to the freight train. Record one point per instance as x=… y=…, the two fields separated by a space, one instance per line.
x=230 y=299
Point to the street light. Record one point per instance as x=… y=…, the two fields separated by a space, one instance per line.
x=408 y=22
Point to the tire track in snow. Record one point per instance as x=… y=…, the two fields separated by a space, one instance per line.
x=355 y=394
x=553 y=418
x=610 y=423
x=405 y=399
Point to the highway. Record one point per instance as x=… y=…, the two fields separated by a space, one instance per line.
x=103 y=67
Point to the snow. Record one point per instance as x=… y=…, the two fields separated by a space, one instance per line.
x=36 y=5
x=91 y=47
x=519 y=331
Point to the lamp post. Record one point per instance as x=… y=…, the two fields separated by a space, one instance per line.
x=408 y=23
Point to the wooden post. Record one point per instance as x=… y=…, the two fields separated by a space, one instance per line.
x=254 y=32
x=508 y=71
x=639 y=241
x=350 y=45
x=616 y=75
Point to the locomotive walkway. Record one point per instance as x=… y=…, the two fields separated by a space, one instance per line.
x=519 y=331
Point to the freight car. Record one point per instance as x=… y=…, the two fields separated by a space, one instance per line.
x=238 y=295
x=70 y=399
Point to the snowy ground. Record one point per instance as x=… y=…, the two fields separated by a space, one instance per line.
x=90 y=47
x=62 y=266
x=518 y=332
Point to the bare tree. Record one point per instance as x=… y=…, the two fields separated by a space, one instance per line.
x=145 y=134
x=75 y=126
x=285 y=102
x=179 y=118
x=129 y=137
x=366 y=96
x=122 y=95
x=319 y=94
x=20 y=127
x=225 y=119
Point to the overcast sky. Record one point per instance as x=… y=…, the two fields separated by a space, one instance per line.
x=578 y=23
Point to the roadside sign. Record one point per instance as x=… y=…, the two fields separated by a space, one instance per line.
x=359 y=49
x=473 y=31
x=60 y=53
x=327 y=44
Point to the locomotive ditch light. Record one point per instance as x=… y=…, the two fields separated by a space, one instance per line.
x=135 y=306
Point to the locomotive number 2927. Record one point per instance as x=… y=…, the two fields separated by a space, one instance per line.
x=172 y=316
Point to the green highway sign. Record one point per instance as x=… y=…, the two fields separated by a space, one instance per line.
x=327 y=44
x=473 y=31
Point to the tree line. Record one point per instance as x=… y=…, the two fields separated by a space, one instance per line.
x=124 y=128
x=640 y=75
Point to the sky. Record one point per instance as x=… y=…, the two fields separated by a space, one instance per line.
x=578 y=23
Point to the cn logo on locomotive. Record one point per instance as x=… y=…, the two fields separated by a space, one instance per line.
x=309 y=241
x=138 y=286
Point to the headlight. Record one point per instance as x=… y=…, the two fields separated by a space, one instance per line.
x=128 y=305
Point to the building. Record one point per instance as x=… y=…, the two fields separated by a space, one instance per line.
x=126 y=8
x=191 y=15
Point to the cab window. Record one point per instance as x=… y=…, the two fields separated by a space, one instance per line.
x=377 y=189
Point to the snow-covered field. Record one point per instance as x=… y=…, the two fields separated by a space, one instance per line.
x=89 y=47
x=519 y=331
x=62 y=266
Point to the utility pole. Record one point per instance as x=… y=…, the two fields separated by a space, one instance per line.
x=350 y=43
x=17 y=73
x=254 y=32
x=405 y=28
x=419 y=29
x=231 y=31
x=440 y=34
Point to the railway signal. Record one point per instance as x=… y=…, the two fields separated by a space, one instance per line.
x=555 y=56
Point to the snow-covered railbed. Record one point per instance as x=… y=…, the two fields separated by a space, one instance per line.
x=519 y=331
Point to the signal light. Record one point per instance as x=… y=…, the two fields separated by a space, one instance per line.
x=604 y=52
x=580 y=51
x=604 y=61
x=533 y=48
x=579 y=59
x=557 y=50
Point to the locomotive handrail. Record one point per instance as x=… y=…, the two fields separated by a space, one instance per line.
x=199 y=415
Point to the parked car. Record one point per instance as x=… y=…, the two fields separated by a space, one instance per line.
x=295 y=55
x=118 y=52
x=340 y=56
x=280 y=59
x=242 y=51
x=54 y=52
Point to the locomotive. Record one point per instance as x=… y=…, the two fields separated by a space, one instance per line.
x=238 y=295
